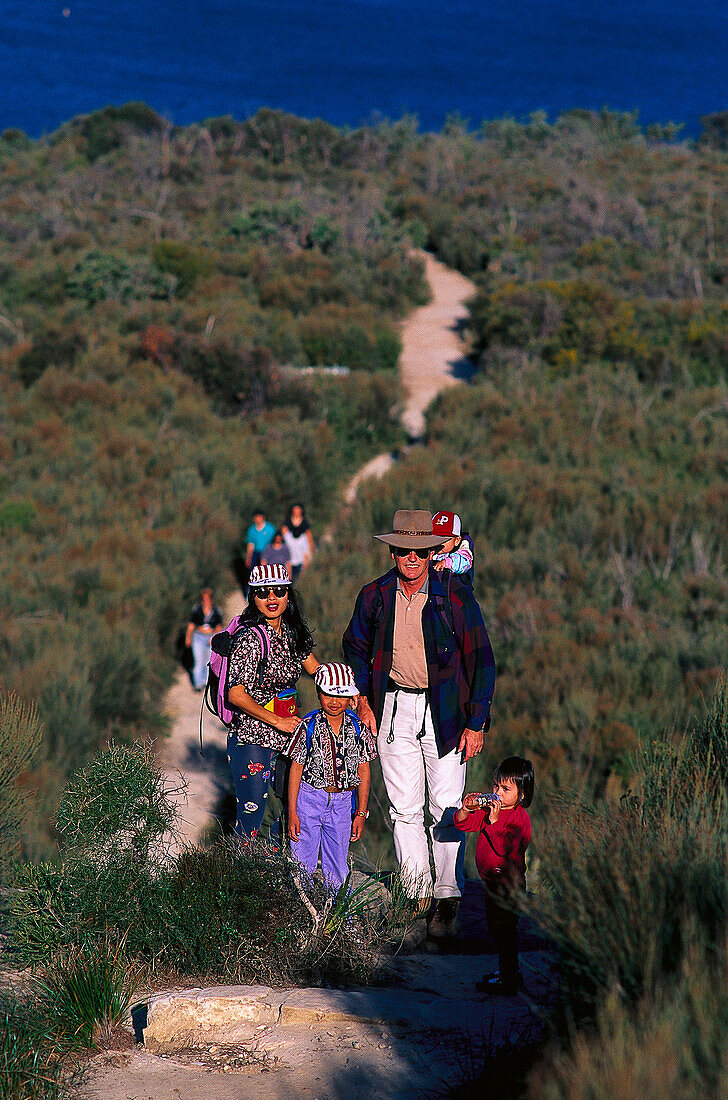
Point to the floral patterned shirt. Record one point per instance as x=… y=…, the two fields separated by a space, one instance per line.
x=332 y=760
x=282 y=669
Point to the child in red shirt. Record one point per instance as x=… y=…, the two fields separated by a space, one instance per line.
x=504 y=830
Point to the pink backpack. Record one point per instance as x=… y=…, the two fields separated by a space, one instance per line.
x=216 y=689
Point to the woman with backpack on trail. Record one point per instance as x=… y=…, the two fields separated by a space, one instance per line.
x=266 y=659
x=299 y=540
x=205 y=620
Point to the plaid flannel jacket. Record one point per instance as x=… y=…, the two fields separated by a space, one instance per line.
x=460 y=663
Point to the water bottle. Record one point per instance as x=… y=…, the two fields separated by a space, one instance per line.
x=479 y=801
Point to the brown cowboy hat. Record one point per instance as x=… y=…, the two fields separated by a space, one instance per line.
x=412 y=530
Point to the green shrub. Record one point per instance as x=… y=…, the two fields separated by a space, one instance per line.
x=87 y=992
x=671 y=1044
x=709 y=739
x=223 y=914
x=29 y=1067
x=15 y=139
x=237 y=379
x=269 y=222
x=628 y=892
x=105 y=130
x=324 y=233
x=20 y=738
x=186 y=262
x=120 y=801
x=101 y=276
x=51 y=348
x=349 y=338
x=16 y=515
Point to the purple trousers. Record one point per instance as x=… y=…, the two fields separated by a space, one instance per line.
x=325 y=827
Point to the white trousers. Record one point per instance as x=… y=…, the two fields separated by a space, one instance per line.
x=408 y=763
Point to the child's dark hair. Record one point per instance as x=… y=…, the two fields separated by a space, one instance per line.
x=520 y=771
x=292 y=617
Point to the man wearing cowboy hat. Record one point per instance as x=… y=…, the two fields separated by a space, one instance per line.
x=425 y=670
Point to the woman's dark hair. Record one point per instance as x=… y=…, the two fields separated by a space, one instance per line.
x=520 y=771
x=292 y=617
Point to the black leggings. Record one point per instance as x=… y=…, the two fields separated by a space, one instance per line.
x=502 y=925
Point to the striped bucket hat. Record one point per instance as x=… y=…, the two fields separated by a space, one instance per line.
x=335 y=678
x=267 y=575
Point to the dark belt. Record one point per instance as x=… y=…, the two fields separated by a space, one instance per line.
x=392 y=685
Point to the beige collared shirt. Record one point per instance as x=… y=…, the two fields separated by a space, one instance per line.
x=409 y=663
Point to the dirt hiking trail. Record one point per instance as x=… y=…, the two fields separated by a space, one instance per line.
x=433 y=359
x=420 y=1034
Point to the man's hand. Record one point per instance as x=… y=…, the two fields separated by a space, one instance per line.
x=357 y=827
x=366 y=714
x=471 y=742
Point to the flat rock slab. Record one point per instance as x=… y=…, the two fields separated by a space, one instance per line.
x=231 y=1014
x=373 y=1006
x=222 y=1012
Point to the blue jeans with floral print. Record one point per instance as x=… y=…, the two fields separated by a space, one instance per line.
x=252 y=768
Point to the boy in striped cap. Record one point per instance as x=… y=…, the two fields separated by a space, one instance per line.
x=329 y=778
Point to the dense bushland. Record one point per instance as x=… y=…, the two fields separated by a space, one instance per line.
x=635 y=898
x=598 y=529
x=118 y=911
x=153 y=284
x=117 y=892
x=153 y=281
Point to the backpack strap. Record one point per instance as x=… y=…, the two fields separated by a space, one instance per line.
x=262 y=635
x=310 y=720
x=357 y=722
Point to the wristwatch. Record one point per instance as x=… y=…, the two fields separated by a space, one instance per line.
x=362 y=813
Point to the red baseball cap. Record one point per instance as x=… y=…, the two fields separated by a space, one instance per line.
x=447 y=524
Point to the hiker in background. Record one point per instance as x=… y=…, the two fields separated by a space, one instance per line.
x=299 y=540
x=205 y=620
x=425 y=669
x=261 y=686
x=330 y=753
x=276 y=553
x=504 y=832
x=457 y=551
x=257 y=537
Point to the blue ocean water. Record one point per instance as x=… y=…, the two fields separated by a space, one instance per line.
x=350 y=61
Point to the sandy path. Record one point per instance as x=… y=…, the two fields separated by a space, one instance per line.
x=432 y=353
x=432 y=360
x=335 y=1056
x=205 y=779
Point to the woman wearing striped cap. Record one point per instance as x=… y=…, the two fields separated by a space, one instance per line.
x=266 y=659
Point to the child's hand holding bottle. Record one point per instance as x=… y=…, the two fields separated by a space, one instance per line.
x=489 y=803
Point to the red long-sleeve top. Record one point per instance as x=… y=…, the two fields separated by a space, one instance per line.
x=500 y=854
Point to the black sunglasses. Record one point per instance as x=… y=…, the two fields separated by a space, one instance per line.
x=278 y=590
x=402 y=553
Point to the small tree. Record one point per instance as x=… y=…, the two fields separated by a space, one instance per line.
x=120 y=802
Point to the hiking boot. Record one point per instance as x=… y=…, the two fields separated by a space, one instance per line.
x=443 y=920
x=493 y=985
